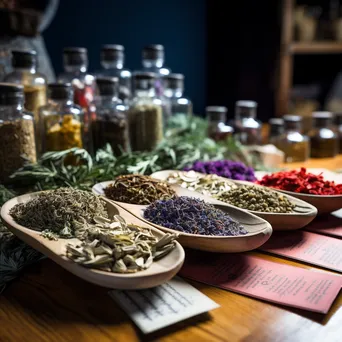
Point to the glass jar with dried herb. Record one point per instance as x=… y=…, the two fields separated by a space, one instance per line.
x=62 y=125
x=293 y=143
x=217 y=128
x=17 y=136
x=174 y=91
x=24 y=63
x=323 y=136
x=276 y=129
x=246 y=125
x=110 y=125
x=145 y=115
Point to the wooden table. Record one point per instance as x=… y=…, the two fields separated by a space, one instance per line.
x=49 y=304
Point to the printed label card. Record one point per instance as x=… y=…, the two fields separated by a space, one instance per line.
x=266 y=280
x=327 y=224
x=315 y=249
x=164 y=305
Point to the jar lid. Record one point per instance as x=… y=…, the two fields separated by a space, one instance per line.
x=216 y=109
x=107 y=86
x=60 y=91
x=24 y=58
x=144 y=75
x=11 y=93
x=246 y=104
x=322 y=115
x=112 y=52
x=174 y=81
x=153 y=51
x=276 y=122
x=292 y=118
x=75 y=56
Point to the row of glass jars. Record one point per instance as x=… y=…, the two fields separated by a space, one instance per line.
x=324 y=140
x=245 y=126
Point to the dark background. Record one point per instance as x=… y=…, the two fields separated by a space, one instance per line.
x=227 y=50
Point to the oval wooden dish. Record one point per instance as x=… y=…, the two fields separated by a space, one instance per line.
x=303 y=213
x=325 y=204
x=158 y=273
x=259 y=230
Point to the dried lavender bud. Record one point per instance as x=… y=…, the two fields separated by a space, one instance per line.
x=224 y=168
x=59 y=211
x=194 y=216
x=138 y=189
x=257 y=199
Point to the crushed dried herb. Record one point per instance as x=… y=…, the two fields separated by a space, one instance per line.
x=57 y=213
x=206 y=184
x=257 y=199
x=301 y=182
x=115 y=246
x=138 y=189
x=194 y=216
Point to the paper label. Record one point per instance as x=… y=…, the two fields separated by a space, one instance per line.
x=327 y=225
x=155 y=308
x=267 y=280
x=312 y=248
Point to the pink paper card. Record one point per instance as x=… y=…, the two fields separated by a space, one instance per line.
x=327 y=225
x=315 y=249
x=266 y=280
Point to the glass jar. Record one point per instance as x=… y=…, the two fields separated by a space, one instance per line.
x=217 y=128
x=145 y=114
x=153 y=58
x=294 y=144
x=110 y=125
x=17 y=136
x=276 y=126
x=174 y=89
x=62 y=122
x=338 y=123
x=75 y=62
x=24 y=63
x=247 y=127
x=323 y=137
x=112 y=62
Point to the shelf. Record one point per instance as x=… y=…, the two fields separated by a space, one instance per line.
x=316 y=47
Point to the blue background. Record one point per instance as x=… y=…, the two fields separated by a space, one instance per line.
x=180 y=25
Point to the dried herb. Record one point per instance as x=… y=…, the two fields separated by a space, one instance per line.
x=57 y=212
x=115 y=246
x=301 y=182
x=205 y=184
x=224 y=168
x=17 y=146
x=145 y=126
x=138 y=189
x=257 y=199
x=194 y=216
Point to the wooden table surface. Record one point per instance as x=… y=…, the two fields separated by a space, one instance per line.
x=46 y=303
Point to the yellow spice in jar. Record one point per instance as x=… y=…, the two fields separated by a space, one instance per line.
x=64 y=135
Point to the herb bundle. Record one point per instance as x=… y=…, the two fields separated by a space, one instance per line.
x=193 y=216
x=138 y=189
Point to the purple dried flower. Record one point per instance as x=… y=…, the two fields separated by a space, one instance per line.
x=194 y=216
x=224 y=168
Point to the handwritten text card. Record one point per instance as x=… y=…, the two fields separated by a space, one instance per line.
x=312 y=248
x=164 y=305
x=270 y=281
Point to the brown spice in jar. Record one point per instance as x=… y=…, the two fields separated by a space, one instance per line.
x=17 y=144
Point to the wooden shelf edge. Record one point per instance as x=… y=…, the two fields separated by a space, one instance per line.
x=316 y=47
